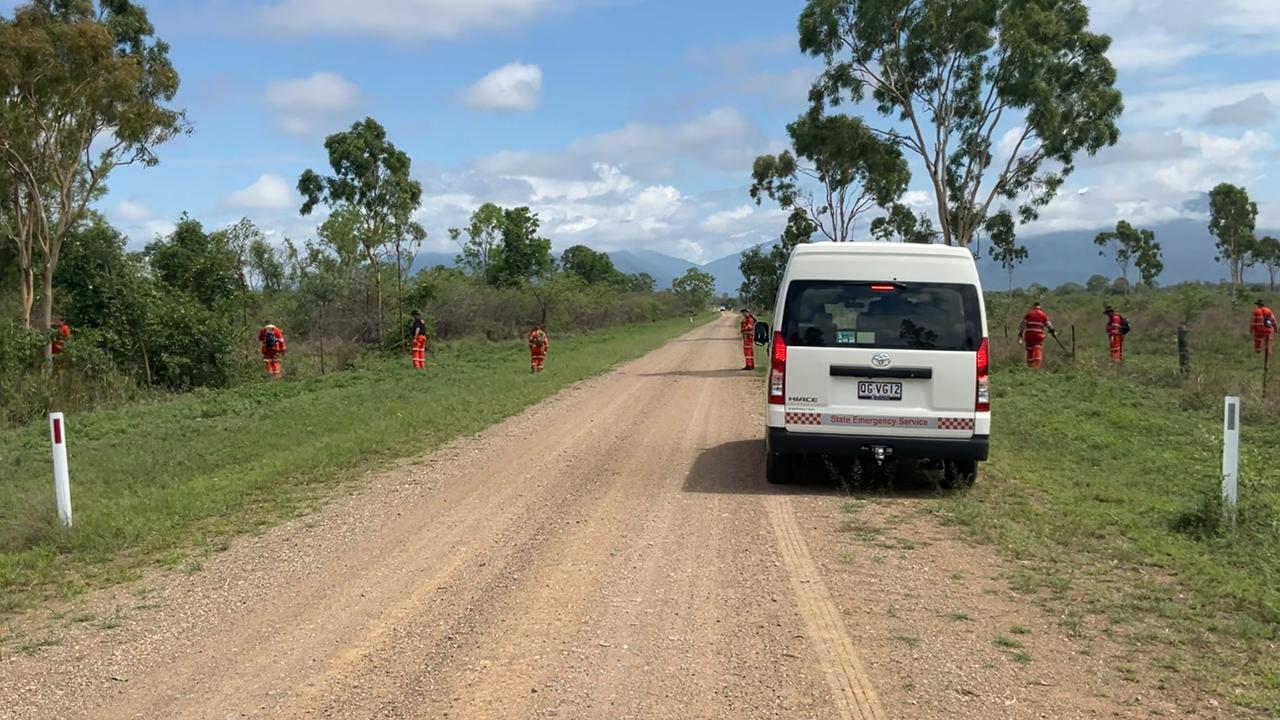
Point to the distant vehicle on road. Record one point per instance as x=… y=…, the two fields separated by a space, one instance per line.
x=880 y=351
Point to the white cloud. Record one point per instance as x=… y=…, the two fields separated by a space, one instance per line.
x=782 y=89
x=1187 y=105
x=402 y=19
x=138 y=222
x=311 y=106
x=513 y=87
x=726 y=220
x=722 y=139
x=1157 y=183
x=1155 y=50
x=132 y=211
x=1252 y=111
x=268 y=192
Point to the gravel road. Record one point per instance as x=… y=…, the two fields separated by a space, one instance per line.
x=612 y=553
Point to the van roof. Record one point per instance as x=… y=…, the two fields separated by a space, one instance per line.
x=881 y=248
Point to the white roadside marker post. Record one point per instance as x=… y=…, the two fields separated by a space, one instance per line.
x=61 y=480
x=1230 y=459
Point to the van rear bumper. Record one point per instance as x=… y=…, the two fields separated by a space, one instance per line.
x=781 y=442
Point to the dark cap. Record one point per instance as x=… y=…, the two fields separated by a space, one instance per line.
x=1108 y=310
x=415 y=313
x=1259 y=303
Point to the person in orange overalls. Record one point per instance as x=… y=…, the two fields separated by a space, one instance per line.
x=1035 y=325
x=61 y=332
x=539 y=344
x=1263 y=327
x=1115 y=332
x=418 y=341
x=273 y=348
x=748 y=328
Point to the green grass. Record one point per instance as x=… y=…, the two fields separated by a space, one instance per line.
x=166 y=483
x=1103 y=488
x=1003 y=641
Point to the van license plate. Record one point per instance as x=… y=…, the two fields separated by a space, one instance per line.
x=879 y=391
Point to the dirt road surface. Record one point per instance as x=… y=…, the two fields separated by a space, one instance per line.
x=612 y=553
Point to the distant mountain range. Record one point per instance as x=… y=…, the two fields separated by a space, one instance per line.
x=1054 y=259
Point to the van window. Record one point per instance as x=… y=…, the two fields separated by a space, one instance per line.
x=889 y=316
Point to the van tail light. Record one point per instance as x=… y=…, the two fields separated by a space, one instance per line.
x=982 y=402
x=778 y=371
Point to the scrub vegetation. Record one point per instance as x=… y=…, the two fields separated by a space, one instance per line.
x=1104 y=485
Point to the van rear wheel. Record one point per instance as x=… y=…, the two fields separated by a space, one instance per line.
x=777 y=468
x=959 y=474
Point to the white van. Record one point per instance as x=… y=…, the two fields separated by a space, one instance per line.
x=879 y=350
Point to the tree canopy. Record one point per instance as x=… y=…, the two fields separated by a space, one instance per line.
x=762 y=269
x=86 y=89
x=839 y=170
x=696 y=288
x=1233 y=220
x=996 y=98
x=371 y=181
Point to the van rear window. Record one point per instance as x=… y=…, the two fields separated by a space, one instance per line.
x=889 y=315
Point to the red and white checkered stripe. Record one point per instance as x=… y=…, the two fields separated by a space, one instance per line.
x=955 y=423
x=804 y=419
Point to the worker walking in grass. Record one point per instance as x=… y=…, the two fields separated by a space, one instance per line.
x=1035 y=325
x=748 y=328
x=271 y=340
x=1263 y=327
x=539 y=344
x=1117 y=328
x=60 y=332
x=418 y=340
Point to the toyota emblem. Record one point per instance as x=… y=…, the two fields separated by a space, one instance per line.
x=881 y=360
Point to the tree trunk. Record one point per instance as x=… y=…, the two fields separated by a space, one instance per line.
x=27 y=292
x=321 y=338
x=377 y=289
x=46 y=306
x=1271 y=271
x=404 y=343
x=146 y=359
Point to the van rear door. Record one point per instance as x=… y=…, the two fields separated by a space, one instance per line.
x=882 y=358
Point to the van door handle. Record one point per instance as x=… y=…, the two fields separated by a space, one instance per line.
x=867 y=371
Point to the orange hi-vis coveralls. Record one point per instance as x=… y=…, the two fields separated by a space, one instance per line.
x=273 y=348
x=748 y=328
x=1263 y=327
x=419 y=344
x=1035 y=324
x=1114 y=324
x=61 y=336
x=539 y=343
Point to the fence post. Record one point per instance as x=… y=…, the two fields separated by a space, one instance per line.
x=1266 y=366
x=1073 y=344
x=1230 y=459
x=1184 y=351
x=61 y=480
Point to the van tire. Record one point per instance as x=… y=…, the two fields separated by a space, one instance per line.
x=777 y=468
x=959 y=474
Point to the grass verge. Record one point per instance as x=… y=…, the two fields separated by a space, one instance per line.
x=167 y=482
x=1105 y=492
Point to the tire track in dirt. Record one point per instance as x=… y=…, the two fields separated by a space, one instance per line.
x=856 y=698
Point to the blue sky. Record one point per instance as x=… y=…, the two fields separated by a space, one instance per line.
x=632 y=123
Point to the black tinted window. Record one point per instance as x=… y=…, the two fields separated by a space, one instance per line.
x=911 y=316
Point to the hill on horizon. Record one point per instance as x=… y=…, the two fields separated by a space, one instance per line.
x=1054 y=259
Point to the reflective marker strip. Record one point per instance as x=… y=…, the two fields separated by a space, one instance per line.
x=57 y=431
x=880 y=421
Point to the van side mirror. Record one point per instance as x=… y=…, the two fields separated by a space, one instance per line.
x=762 y=333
